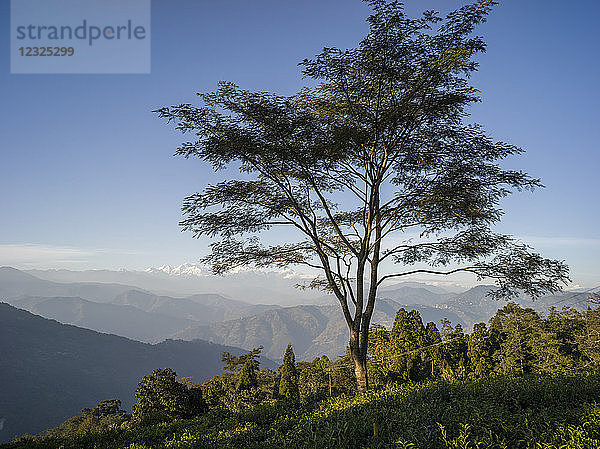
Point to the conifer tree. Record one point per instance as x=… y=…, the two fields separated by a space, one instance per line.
x=434 y=351
x=400 y=344
x=379 y=351
x=407 y=337
x=418 y=367
x=245 y=368
x=561 y=350
x=288 y=382
x=247 y=376
x=479 y=352
x=589 y=339
x=454 y=351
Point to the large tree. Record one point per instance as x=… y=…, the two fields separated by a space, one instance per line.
x=373 y=166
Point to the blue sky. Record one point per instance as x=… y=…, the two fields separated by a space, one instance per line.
x=87 y=176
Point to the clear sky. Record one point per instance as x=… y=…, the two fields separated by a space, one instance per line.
x=87 y=176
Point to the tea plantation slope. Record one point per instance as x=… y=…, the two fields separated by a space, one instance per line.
x=529 y=412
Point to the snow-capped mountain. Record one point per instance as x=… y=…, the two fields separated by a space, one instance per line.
x=190 y=269
x=186 y=269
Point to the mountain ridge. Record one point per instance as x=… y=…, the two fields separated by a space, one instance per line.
x=49 y=371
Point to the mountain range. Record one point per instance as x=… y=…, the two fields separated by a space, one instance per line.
x=49 y=371
x=314 y=328
x=256 y=287
x=119 y=309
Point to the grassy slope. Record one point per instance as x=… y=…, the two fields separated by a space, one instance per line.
x=531 y=412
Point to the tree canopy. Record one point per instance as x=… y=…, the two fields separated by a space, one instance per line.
x=162 y=394
x=374 y=167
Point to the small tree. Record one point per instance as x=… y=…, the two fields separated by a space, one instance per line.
x=161 y=394
x=589 y=338
x=288 y=382
x=106 y=415
x=379 y=148
x=313 y=377
x=247 y=376
x=245 y=366
x=379 y=350
x=241 y=380
x=107 y=407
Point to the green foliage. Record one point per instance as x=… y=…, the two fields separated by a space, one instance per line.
x=454 y=351
x=529 y=412
x=516 y=328
x=268 y=383
x=106 y=415
x=288 y=381
x=314 y=378
x=519 y=341
x=215 y=389
x=162 y=396
x=408 y=334
x=243 y=385
x=589 y=340
x=234 y=363
x=247 y=376
x=479 y=352
x=434 y=349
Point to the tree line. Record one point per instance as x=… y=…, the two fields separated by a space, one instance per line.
x=517 y=341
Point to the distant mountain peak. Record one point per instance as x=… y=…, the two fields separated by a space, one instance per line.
x=190 y=269
x=186 y=269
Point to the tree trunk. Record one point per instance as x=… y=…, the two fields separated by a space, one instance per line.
x=359 y=360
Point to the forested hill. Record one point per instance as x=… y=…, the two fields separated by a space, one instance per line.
x=49 y=371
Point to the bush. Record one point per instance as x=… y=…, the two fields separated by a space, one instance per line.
x=161 y=393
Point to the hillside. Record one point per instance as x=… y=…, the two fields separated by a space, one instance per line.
x=313 y=330
x=125 y=321
x=202 y=308
x=49 y=371
x=255 y=287
x=474 y=305
x=116 y=308
x=533 y=412
x=15 y=283
x=415 y=295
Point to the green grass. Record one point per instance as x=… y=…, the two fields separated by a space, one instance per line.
x=540 y=412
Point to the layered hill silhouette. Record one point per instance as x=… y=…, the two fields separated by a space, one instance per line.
x=202 y=308
x=116 y=308
x=313 y=330
x=49 y=371
x=123 y=320
x=15 y=283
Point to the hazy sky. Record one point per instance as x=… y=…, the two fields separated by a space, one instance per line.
x=87 y=176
